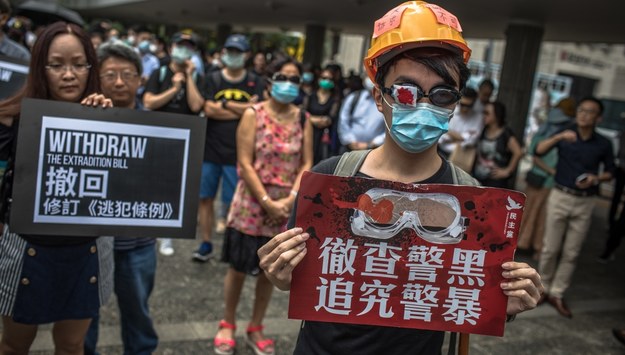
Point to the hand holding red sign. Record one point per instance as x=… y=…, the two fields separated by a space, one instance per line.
x=479 y=271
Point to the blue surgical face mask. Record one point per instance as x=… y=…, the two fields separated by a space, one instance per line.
x=144 y=47
x=308 y=77
x=284 y=91
x=416 y=129
x=180 y=54
x=233 y=61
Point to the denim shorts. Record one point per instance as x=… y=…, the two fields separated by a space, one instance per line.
x=211 y=174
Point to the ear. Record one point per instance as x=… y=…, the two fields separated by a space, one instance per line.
x=377 y=96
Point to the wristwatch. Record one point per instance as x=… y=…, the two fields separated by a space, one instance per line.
x=224 y=101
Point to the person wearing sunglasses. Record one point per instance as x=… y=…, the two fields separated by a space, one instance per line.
x=419 y=67
x=274 y=148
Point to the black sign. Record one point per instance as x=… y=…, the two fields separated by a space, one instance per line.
x=13 y=74
x=90 y=171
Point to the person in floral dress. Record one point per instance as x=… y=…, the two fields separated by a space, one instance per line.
x=274 y=148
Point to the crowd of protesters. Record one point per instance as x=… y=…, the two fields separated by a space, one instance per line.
x=311 y=113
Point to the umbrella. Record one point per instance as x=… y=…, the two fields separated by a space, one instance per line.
x=44 y=13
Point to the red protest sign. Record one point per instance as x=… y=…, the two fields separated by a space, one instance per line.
x=413 y=256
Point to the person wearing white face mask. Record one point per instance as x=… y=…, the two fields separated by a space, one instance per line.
x=175 y=88
x=229 y=92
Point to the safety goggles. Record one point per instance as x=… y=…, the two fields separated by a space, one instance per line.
x=407 y=95
x=383 y=213
x=295 y=79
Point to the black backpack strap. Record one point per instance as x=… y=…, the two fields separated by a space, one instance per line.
x=461 y=177
x=350 y=162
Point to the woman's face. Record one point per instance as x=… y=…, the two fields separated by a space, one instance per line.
x=489 y=115
x=67 y=69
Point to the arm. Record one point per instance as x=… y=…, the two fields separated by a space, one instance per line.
x=246 y=138
x=514 y=146
x=305 y=164
x=345 y=134
x=153 y=101
x=194 y=98
x=541 y=164
x=545 y=145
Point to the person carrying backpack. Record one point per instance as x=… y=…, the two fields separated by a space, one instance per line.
x=418 y=64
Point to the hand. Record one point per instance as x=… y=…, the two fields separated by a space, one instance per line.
x=254 y=99
x=325 y=121
x=281 y=255
x=189 y=67
x=588 y=182
x=178 y=79
x=277 y=209
x=97 y=100
x=522 y=285
x=568 y=136
x=499 y=173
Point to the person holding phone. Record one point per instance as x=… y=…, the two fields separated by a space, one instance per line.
x=569 y=208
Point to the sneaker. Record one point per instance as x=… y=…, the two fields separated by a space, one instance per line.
x=220 y=228
x=204 y=252
x=166 y=247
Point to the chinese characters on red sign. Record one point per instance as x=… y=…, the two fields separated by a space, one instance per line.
x=414 y=256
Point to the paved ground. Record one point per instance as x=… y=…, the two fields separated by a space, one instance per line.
x=187 y=305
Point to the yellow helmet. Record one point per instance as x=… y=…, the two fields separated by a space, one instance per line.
x=410 y=25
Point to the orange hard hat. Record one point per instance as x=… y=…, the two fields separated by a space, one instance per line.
x=411 y=25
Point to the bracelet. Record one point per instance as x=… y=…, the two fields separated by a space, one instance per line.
x=294 y=193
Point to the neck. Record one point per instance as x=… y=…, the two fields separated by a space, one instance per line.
x=278 y=107
x=390 y=162
x=234 y=72
x=585 y=132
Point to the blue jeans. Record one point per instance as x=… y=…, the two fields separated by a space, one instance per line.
x=135 y=271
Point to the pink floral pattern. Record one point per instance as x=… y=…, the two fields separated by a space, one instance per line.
x=278 y=155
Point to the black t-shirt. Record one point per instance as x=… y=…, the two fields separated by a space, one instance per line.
x=160 y=80
x=341 y=338
x=220 y=146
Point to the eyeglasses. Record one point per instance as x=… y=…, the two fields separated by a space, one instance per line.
x=409 y=95
x=435 y=217
x=295 y=79
x=62 y=69
x=588 y=111
x=111 y=76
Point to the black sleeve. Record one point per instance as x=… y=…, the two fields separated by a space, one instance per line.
x=152 y=85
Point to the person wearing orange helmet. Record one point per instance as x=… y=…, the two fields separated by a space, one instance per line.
x=417 y=61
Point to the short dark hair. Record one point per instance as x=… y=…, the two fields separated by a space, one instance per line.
x=120 y=50
x=592 y=99
x=469 y=93
x=5 y=7
x=277 y=66
x=487 y=82
x=500 y=112
x=440 y=61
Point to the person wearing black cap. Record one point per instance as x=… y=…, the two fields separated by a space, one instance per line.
x=229 y=92
x=175 y=88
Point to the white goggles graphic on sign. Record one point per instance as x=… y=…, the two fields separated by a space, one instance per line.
x=383 y=213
